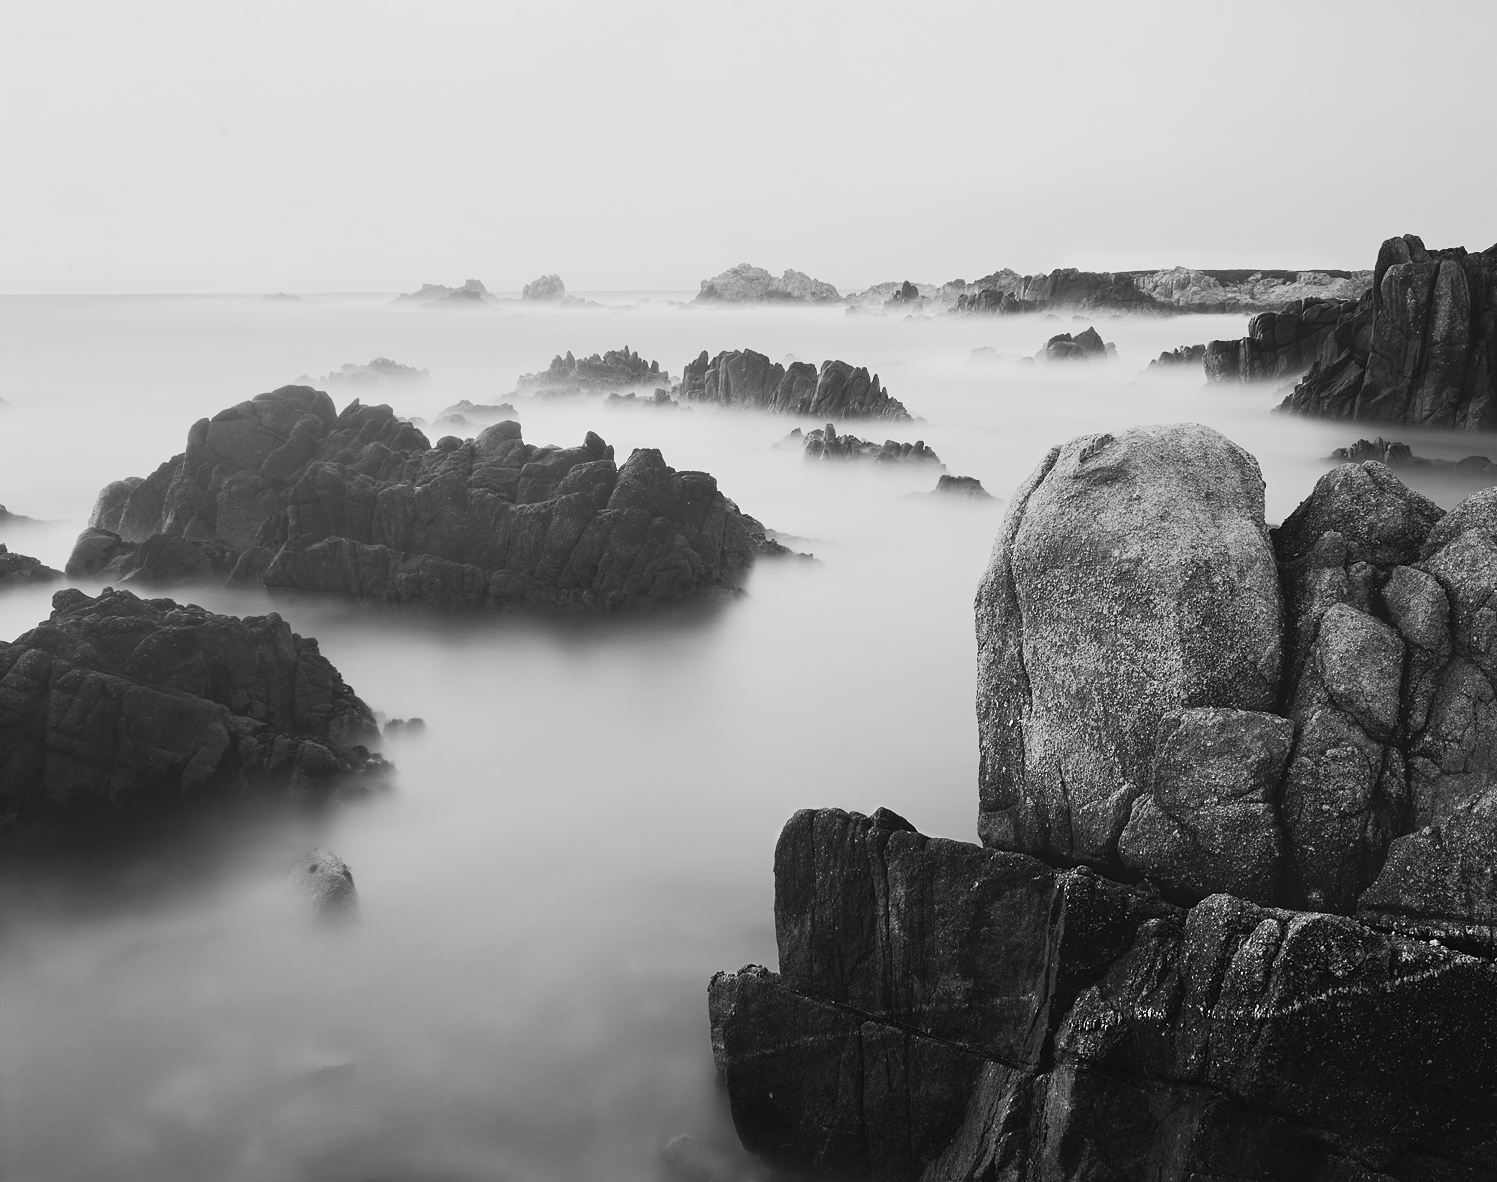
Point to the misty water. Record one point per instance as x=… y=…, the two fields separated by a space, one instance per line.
x=584 y=832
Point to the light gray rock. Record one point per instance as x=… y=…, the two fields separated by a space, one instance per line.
x=1133 y=578
x=322 y=883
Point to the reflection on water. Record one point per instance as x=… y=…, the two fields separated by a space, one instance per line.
x=584 y=832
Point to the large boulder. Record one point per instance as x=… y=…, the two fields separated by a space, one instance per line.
x=1133 y=579
x=118 y=706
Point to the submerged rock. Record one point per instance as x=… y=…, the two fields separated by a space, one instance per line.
x=322 y=883
x=747 y=379
x=959 y=488
x=1179 y=357
x=1199 y=743
x=282 y=491
x=19 y=569
x=825 y=444
x=118 y=706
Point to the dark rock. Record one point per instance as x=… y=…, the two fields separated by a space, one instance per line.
x=825 y=444
x=1278 y=344
x=16 y=569
x=323 y=884
x=1420 y=347
x=1133 y=579
x=546 y=288
x=1401 y=455
x=748 y=379
x=1082 y=347
x=98 y=552
x=119 y=706
x=618 y=369
x=908 y=295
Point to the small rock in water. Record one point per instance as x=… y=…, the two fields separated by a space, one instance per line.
x=323 y=883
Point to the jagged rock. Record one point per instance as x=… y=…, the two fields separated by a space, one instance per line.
x=908 y=295
x=1249 y=291
x=436 y=295
x=118 y=706
x=748 y=379
x=323 y=884
x=1133 y=579
x=1083 y=346
x=546 y=288
x=1401 y=455
x=1420 y=347
x=825 y=444
x=618 y=369
x=379 y=372
x=745 y=284
x=16 y=569
x=281 y=491
x=1182 y=356
x=1278 y=344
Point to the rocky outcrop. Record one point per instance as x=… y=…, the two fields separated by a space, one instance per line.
x=1084 y=346
x=1234 y=913
x=1179 y=358
x=617 y=369
x=7 y=518
x=281 y=491
x=751 y=380
x=745 y=284
x=1419 y=348
x=1279 y=344
x=470 y=294
x=1401 y=455
x=379 y=372
x=825 y=444
x=661 y=400
x=468 y=418
x=19 y=569
x=1249 y=291
x=548 y=288
x=1006 y=291
x=117 y=707
x=322 y=884
x=958 y=488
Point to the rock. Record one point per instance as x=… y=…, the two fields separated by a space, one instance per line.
x=281 y=491
x=323 y=884
x=546 y=288
x=1180 y=357
x=661 y=399
x=435 y=295
x=18 y=569
x=1420 y=347
x=747 y=379
x=1133 y=579
x=379 y=372
x=825 y=444
x=1400 y=455
x=1278 y=344
x=118 y=707
x=1250 y=291
x=1082 y=347
x=745 y=284
x=7 y=518
x=618 y=369
x=959 y=488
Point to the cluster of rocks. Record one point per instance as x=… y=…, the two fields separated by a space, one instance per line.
x=825 y=444
x=472 y=292
x=283 y=491
x=1084 y=346
x=743 y=378
x=958 y=488
x=1249 y=291
x=1420 y=347
x=118 y=706
x=745 y=284
x=660 y=398
x=1401 y=455
x=546 y=289
x=7 y=518
x=1279 y=344
x=1233 y=914
x=617 y=369
x=467 y=418
x=1178 y=358
x=20 y=569
x=1007 y=292
x=380 y=371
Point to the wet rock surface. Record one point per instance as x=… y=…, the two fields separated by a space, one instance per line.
x=119 y=706
x=1420 y=347
x=1234 y=913
x=1401 y=455
x=747 y=379
x=283 y=491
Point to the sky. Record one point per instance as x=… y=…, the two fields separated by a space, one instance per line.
x=227 y=147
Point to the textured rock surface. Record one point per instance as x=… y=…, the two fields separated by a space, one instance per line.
x=825 y=444
x=960 y=488
x=748 y=379
x=1278 y=344
x=282 y=491
x=617 y=369
x=1084 y=346
x=322 y=883
x=946 y=1011
x=119 y=705
x=18 y=569
x=1181 y=357
x=1249 y=291
x=746 y=284
x=547 y=287
x=1420 y=347
x=1133 y=578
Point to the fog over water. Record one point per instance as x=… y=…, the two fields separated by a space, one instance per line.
x=584 y=833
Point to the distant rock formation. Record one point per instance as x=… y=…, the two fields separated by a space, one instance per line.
x=1419 y=348
x=1234 y=913
x=1249 y=291
x=748 y=379
x=745 y=284
x=1179 y=358
x=661 y=399
x=468 y=418
x=618 y=369
x=825 y=444
x=20 y=569
x=957 y=488
x=546 y=288
x=284 y=491
x=1005 y=292
x=1084 y=346
x=1400 y=455
x=380 y=371
x=471 y=293
x=1279 y=344
x=7 y=518
x=118 y=706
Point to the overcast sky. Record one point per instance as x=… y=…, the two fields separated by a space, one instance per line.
x=373 y=146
